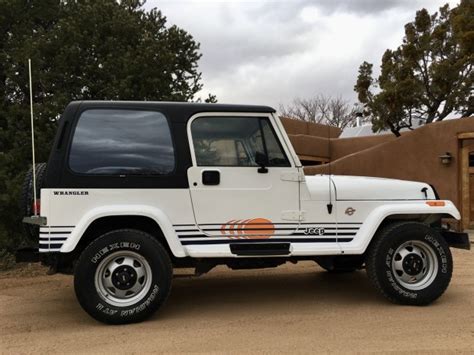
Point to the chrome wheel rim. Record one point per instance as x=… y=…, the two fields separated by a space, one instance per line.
x=123 y=278
x=415 y=265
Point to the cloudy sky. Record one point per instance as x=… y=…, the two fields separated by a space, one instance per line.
x=270 y=51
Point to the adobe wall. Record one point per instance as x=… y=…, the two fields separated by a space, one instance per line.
x=344 y=146
x=312 y=139
x=310 y=145
x=293 y=126
x=413 y=156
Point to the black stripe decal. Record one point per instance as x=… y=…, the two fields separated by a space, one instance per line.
x=306 y=240
x=225 y=223
x=295 y=224
x=248 y=229
x=262 y=229
x=53 y=239
x=183 y=236
x=344 y=233
x=57 y=226
x=50 y=246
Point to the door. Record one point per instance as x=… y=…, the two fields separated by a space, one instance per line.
x=243 y=183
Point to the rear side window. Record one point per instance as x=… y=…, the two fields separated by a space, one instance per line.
x=116 y=142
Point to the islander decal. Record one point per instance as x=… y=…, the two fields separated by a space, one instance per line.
x=255 y=228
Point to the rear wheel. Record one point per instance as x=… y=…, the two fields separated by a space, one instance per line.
x=123 y=277
x=409 y=263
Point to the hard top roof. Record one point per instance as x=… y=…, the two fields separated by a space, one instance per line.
x=181 y=109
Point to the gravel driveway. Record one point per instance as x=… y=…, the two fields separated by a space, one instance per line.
x=293 y=308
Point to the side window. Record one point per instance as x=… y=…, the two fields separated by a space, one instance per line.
x=236 y=141
x=111 y=142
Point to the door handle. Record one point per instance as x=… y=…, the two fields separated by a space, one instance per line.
x=211 y=177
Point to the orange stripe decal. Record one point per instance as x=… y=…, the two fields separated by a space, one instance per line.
x=255 y=228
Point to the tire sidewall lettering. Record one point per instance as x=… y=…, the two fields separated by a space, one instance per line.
x=143 y=305
x=440 y=253
x=111 y=311
x=114 y=247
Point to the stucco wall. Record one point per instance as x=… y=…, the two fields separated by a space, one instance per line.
x=344 y=146
x=310 y=145
x=296 y=127
x=312 y=139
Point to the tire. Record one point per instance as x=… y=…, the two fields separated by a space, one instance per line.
x=27 y=197
x=112 y=262
x=409 y=263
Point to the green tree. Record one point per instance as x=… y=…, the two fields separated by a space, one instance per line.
x=428 y=77
x=82 y=49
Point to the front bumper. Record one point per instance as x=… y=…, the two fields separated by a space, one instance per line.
x=457 y=239
x=36 y=220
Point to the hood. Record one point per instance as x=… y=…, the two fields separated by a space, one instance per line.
x=370 y=188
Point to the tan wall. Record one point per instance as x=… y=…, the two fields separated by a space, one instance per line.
x=310 y=145
x=302 y=135
x=414 y=156
x=344 y=146
x=293 y=126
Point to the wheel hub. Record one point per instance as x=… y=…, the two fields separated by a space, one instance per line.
x=412 y=264
x=124 y=277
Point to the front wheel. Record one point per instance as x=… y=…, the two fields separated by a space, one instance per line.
x=124 y=276
x=409 y=263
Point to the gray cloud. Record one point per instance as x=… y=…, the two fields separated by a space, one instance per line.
x=268 y=52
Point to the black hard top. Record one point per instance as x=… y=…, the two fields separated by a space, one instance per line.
x=58 y=174
x=178 y=110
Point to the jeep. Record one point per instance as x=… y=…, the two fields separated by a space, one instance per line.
x=133 y=190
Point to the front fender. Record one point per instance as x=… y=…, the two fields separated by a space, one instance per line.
x=126 y=210
x=379 y=214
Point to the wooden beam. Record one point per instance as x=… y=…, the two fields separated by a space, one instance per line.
x=466 y=135
x=312 y=158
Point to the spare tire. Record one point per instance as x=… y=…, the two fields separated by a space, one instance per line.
x=27 y=197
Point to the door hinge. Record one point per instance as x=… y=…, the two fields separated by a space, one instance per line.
x=293 y=215
x=293 y=176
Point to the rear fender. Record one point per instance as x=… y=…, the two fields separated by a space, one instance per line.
x=123 y=210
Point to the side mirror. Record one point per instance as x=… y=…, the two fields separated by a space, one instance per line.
x=261 y=160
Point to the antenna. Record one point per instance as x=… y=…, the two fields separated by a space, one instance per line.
x=329 y=168
x=32 y=140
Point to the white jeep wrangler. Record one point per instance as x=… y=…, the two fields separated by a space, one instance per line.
x=135 y=189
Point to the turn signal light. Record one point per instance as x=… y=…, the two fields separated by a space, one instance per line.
x=436 y=203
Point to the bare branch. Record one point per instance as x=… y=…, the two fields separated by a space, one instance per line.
x=333 y=111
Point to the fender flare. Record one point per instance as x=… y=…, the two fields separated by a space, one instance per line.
x=154 y=213
x=373 y=221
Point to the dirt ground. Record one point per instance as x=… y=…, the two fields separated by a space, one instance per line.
x=293 y=308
